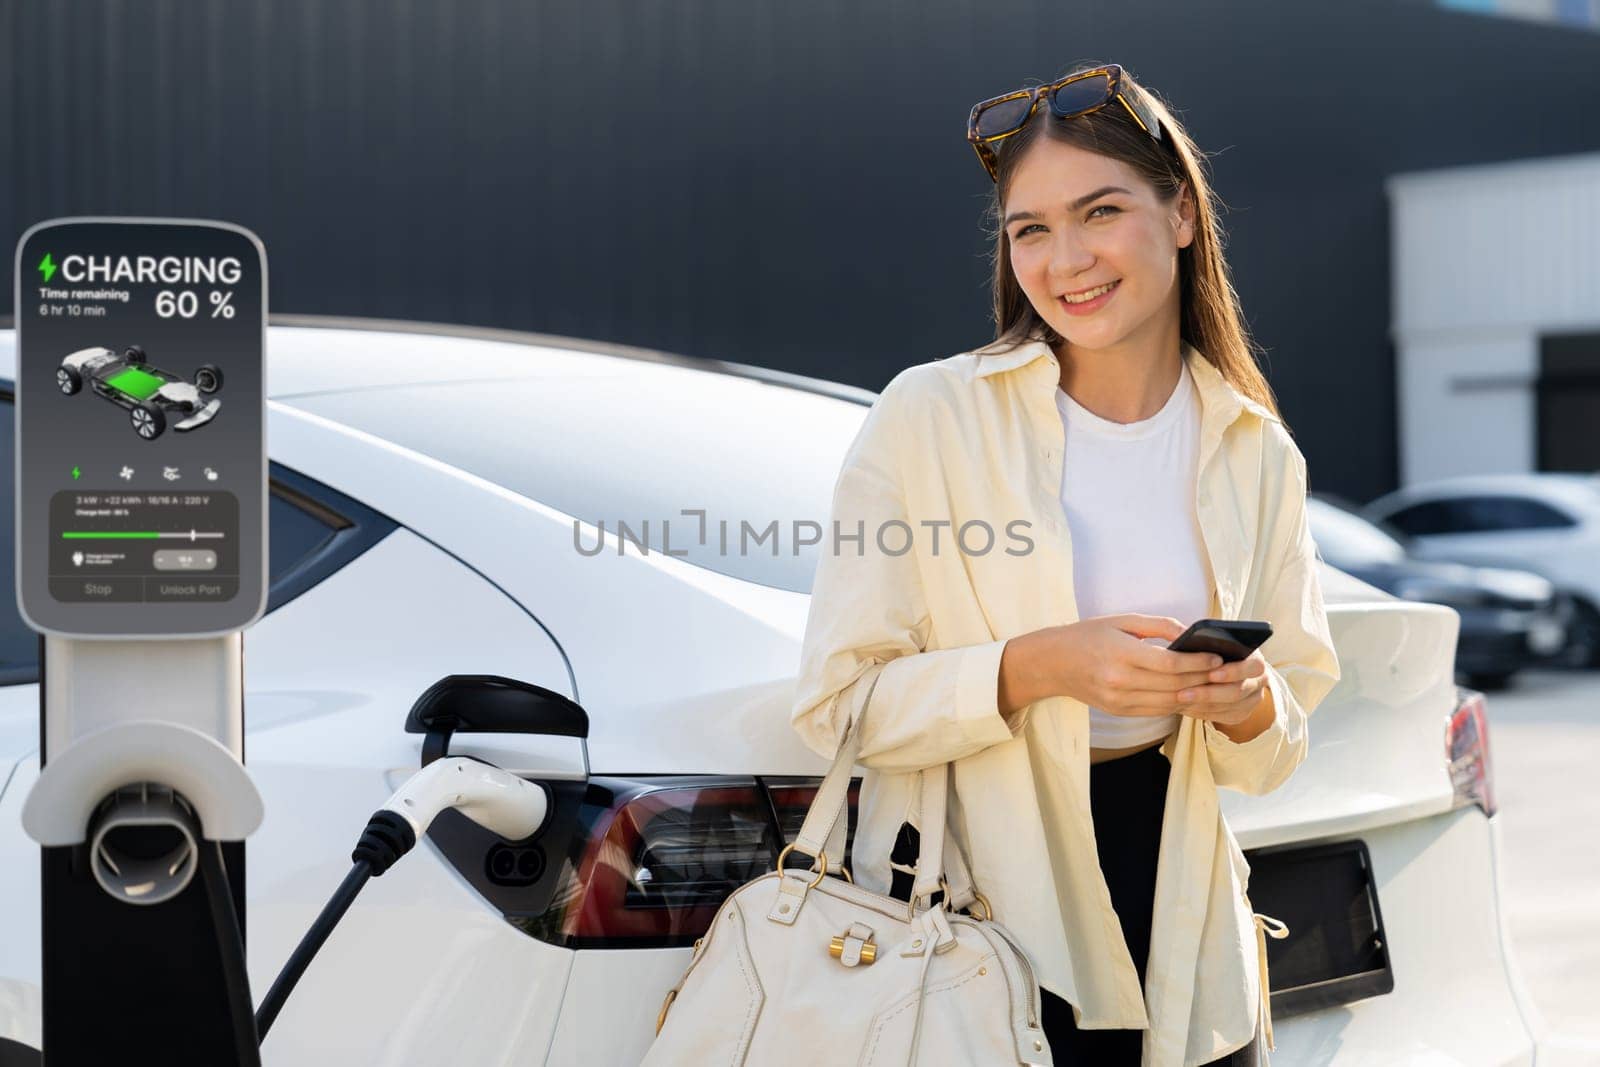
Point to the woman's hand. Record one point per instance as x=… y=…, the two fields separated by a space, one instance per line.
x=1231 y=694
x=1105 y=661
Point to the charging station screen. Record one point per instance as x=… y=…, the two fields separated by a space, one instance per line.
x=141 y=459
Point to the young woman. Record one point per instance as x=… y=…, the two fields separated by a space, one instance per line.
x=1019 y=532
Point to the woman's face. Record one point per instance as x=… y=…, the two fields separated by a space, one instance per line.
x=1078 y=221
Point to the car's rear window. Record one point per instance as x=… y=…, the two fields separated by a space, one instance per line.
x=641 y=447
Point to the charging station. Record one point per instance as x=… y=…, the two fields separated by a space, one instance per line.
x=141 y=557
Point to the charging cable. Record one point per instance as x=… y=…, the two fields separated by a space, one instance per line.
x=502 y=803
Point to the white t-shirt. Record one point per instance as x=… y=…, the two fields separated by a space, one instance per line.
x=1128 y=492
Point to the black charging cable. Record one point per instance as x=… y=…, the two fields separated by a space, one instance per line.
x=387 y=837
x=225 y=925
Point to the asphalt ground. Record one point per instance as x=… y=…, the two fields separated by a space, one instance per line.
x=1544 y=747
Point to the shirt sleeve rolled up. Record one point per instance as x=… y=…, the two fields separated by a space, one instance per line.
x=869 y=623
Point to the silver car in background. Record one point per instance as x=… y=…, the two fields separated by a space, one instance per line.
x=1547 y=523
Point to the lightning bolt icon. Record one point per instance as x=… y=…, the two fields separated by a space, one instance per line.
x=47 y=267
x=75 y=473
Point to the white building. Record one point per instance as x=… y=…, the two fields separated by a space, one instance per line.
x=1496 y=303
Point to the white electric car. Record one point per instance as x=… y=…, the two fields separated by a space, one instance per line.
x=438 y=499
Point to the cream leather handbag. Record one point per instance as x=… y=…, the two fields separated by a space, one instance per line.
x=801 y=967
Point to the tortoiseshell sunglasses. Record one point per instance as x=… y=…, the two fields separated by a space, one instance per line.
x=1078 y=94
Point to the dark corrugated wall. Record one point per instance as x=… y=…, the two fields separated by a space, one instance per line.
x=780 y=184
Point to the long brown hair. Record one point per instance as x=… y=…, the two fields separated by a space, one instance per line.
x=1209 y=316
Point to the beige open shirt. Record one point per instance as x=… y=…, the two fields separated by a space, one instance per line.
x=979 y=437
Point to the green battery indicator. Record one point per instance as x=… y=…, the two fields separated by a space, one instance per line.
x=139 y=384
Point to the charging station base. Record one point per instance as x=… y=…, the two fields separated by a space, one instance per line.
x=114 y=970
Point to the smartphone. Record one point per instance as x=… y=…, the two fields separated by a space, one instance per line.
x=1232 y=639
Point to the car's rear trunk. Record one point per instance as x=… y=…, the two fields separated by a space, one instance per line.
x=1377 y=751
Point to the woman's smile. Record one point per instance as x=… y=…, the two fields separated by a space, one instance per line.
x=1077 y=305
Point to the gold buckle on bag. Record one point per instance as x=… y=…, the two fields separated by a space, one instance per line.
x=977 y=899
x=844 y=872
x=822 y=858
x=869 y=950
x=865 y=939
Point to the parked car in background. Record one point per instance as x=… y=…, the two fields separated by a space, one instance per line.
x=1510 y=619
x=1548 y=523
x=435 y=497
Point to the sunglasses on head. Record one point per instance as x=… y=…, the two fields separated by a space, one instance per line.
x=1077 y=94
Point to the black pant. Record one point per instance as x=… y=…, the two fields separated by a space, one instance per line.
x=1127 y=798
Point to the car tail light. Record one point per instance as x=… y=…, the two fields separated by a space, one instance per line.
x=656 y=867
x=659 y=864
x=1466 y=744
x=632 y=862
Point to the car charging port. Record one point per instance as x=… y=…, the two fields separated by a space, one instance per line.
x=511 y=865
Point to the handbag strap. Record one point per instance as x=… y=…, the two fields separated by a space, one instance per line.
x=931 y=829
x=940 y=863
x=939 y=857
x=828 y=815
x=960 y=893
